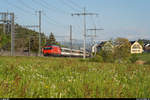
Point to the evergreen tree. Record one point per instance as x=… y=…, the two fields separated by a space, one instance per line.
x=51 y=39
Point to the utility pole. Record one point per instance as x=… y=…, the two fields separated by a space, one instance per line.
x=71 y=38
x=5 y=22
x=4 y=14
x=4 y=25
x=84 y=14
x=39 y=32
x=12 y=34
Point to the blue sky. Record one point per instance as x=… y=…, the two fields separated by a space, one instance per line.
x=118 y=18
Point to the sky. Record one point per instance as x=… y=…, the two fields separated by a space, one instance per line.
x=119 y=18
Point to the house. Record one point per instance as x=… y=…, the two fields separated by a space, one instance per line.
x=147 y=48
x=94 y=48
x=108 y=46
x=136 y=47
x=105 y=45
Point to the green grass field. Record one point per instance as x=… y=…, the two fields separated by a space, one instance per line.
x=39 y=77
x=145 y=57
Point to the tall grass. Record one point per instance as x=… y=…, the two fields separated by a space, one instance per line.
x=38 y=77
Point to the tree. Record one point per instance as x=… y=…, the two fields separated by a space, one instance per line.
x=34 y=44
x=145 y=41
x=141 y=42
x=22 y=36
x=122 y=48
x=107 y=52
x=4 y=41
x=51 y=39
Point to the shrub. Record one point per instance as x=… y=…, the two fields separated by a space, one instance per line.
x=107 y=56
x=97 y=58
x=134 y=58
x=122 y=49
x=148 y=62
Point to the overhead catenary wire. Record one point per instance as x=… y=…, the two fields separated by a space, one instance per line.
x=54 y=22
x=75 y=4
x=33 y=9
x=93 y=21
x=48 y=19
x=46 y=5
x=79 y=27
x=47 y=8
x=55 y=8
x=69 y=6
x=10 y=5
x=18 y=7
x=26 y=5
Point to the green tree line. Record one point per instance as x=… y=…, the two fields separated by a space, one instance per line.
x=25 y=37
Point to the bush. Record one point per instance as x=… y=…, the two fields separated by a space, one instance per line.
x=122 y=49
x=134 y=58
x=97 y=58
x=147 y=62
x=107 y=56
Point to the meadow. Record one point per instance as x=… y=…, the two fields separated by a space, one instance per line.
x=48 y=77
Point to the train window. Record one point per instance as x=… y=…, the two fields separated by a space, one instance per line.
x=48 y=48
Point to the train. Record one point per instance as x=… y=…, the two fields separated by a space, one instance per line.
x=55 y=50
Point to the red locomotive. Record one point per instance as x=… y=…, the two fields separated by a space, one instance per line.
x=52 y=50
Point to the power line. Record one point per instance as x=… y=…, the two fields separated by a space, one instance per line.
x=54 y=22
x=68 y=5
x=45 y=5
x=78 y=25
x=98 y=20
x=75 y=4
x=16 y=6
x=53 y=7
x=92 y=19
x=26 y=5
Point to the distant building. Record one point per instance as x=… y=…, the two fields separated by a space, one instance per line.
x=108 y=46
x=97 y=47
x=136 y=47
x=105 y=45
x=147 y=48
x=94 y=48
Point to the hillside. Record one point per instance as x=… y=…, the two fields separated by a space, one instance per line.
x=22 y=37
